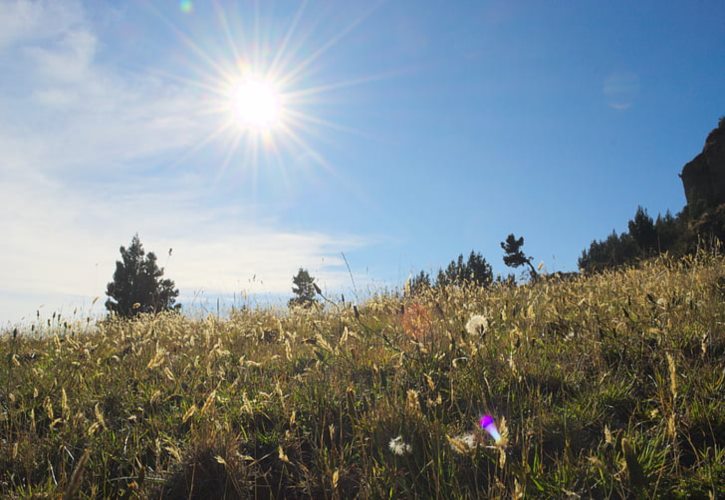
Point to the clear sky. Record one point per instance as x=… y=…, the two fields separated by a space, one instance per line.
x=257 y=137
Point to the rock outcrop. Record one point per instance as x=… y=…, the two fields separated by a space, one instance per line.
x=704 y=177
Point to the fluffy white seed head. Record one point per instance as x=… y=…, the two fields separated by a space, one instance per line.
x=399 y=447
x=477 y=325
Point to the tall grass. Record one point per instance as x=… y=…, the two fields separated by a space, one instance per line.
x=605 y=386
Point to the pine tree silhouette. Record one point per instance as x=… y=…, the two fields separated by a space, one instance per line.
x=305 y=289
x=137 y=284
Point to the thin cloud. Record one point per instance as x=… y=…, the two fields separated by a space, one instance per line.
x=78 y=138
x=621 y=90
x=23 y=20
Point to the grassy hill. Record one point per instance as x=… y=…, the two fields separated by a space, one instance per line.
x=609 y=386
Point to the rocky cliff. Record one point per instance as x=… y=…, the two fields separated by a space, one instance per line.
x=704 y=177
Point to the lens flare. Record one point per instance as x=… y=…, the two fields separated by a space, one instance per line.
x=489 y=425
x=262 y=87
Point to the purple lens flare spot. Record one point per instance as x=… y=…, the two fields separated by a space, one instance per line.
x=486 y=420
x=489 y=425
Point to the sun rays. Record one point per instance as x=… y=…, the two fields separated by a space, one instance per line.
x=261 y=88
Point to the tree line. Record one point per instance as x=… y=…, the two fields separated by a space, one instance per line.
x=700 y=222
x=138 y=285
x=475 y=270
x=644 y=238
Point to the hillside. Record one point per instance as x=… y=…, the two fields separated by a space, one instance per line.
x=606 y=386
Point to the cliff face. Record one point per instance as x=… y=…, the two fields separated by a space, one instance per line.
x=704 y=177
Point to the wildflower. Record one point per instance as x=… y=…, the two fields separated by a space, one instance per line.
x=477 y=325
x=399 y=447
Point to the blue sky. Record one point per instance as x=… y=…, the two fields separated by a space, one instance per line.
x=419 y=130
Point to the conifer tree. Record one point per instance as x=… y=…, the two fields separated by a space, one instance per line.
x=474 y=270
x=305 y=289
x=137 y=284
x=515 y=257
x=419 y=283
x=642 y=229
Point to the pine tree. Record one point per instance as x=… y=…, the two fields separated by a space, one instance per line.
x=642 y=229
x=305 y=289
x=515 y=257
x=137 y=284
x=475 y=270
x=419 y=283
x=645 y=238
x=615 y=251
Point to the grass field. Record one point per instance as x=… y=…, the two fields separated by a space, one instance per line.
x=605 y=386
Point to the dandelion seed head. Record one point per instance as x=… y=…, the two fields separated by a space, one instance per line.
x=464 y=443
x=399 y=447
x=469 y=439
x=477 y=325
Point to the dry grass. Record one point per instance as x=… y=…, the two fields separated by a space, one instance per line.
x=610 y=386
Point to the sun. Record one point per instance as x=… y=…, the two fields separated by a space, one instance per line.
x=256 y=104
x=263 y=86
